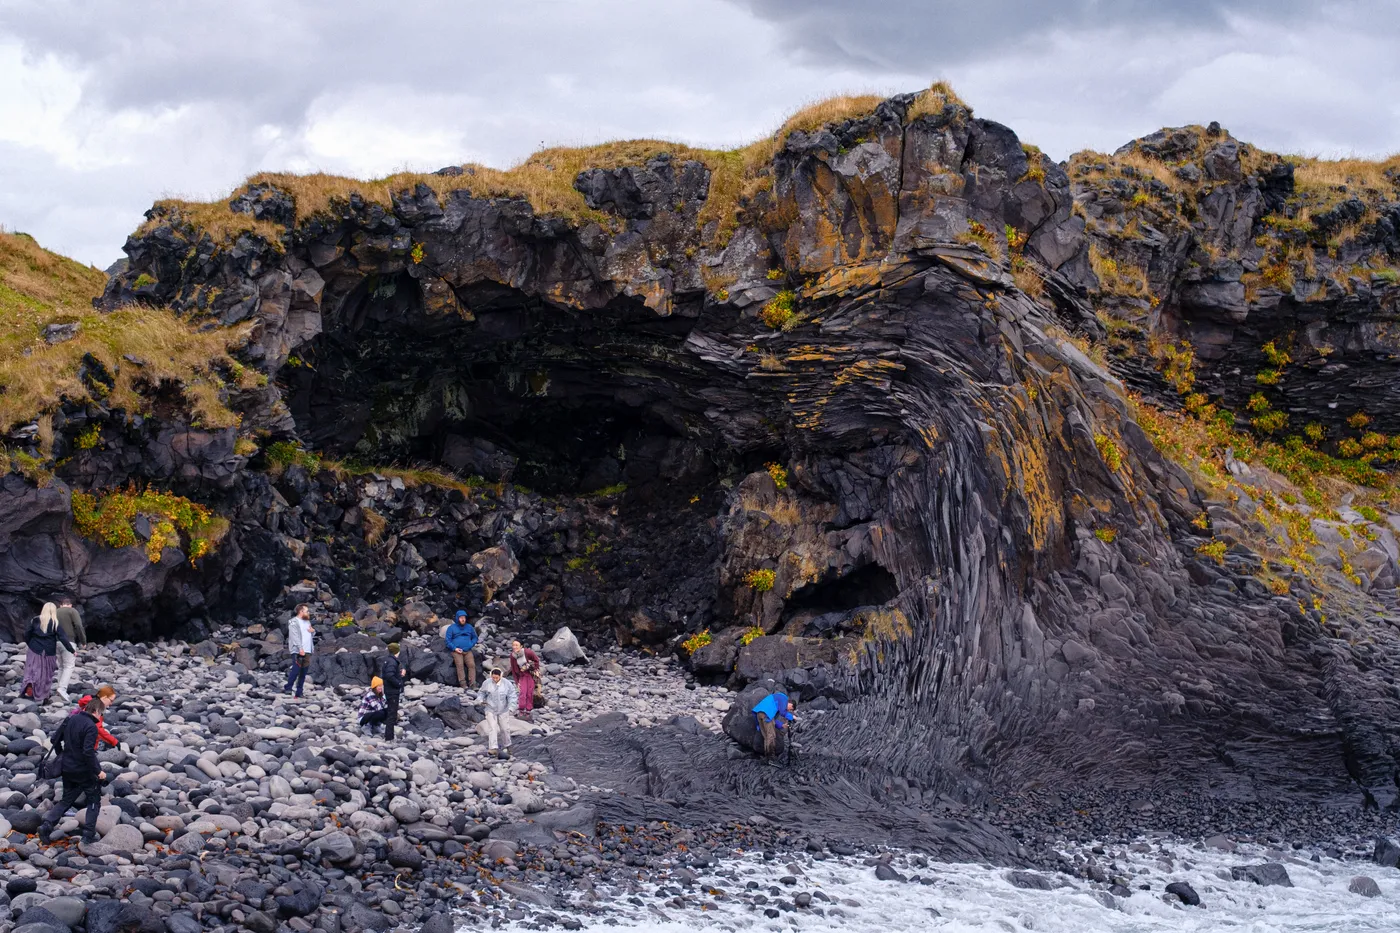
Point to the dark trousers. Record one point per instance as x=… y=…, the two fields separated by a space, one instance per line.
x=376 y=718
x=297 y=675
x=78 y=787
x=391 y=713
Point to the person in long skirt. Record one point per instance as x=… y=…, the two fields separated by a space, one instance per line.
x=525 y=668
x=41 y=663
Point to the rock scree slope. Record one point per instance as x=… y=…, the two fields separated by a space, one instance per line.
x=861 y=407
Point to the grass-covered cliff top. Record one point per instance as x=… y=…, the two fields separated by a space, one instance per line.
x=546 y=179
x=144 y=347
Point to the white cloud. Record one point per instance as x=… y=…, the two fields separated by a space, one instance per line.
x=148 y=99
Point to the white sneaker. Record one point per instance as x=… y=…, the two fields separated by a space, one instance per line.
x=63 y=694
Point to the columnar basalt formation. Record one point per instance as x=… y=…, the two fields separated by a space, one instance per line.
x=847 y=392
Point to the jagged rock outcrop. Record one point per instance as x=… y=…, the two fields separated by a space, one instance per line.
x=964 y=537
x=1217 y=243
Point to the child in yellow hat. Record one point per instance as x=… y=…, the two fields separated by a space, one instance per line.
x=373 y=708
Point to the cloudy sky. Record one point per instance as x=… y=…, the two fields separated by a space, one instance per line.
x=110 y=104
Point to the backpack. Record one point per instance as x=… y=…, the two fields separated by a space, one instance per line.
x=51 y=765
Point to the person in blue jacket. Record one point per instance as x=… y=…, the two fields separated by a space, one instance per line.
x=772 y=713
x=461 y=639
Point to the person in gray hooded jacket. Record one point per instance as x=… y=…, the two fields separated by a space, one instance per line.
x=498 y=696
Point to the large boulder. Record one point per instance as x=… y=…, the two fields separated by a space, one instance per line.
x=739 y=721
x=458 y=715
x=1266 y=874
x=563 y=648
x=497 y=566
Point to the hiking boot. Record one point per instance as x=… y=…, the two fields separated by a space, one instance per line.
x=505 y=753
x=89 y=838
x=493 y=753
x=45 y=833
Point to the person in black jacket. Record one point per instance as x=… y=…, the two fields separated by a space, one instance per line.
x=392 y=670
x=82 y=772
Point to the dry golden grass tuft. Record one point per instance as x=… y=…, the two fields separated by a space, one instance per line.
x=1028 y=279
x=38 y=288
x=933 y=101
x=1378 y=175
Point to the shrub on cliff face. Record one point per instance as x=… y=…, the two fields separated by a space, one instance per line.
x=695 y=642
x=778 y=312
x=283 y=454
x=110 y=518
x=761 y=580
x=1108 y=450
x=750 y=634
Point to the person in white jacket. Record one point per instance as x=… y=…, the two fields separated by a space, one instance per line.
x=498 y=696
x=300 y=644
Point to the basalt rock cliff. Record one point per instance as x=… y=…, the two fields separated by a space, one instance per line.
x=868 y=444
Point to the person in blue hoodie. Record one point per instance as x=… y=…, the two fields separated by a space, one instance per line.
x=773 y=712
x=461 y=640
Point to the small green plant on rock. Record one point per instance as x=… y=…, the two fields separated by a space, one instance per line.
x=1108 y=450
x=283 y=454
x=606 y=491
x=1215 y=550
x=978 y=235
x=761 y=580
x=1106 y=535
x=417 y=253
x=779 y=310
x=749 y=635
x=34 y=469
x=1277 y=358
x=779 y=474
x=89 y=438
x=695 y=642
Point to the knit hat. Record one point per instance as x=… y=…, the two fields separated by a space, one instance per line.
x=376 y=682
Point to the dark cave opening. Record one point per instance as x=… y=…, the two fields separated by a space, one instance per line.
x=518 y=389
x=871 y=585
